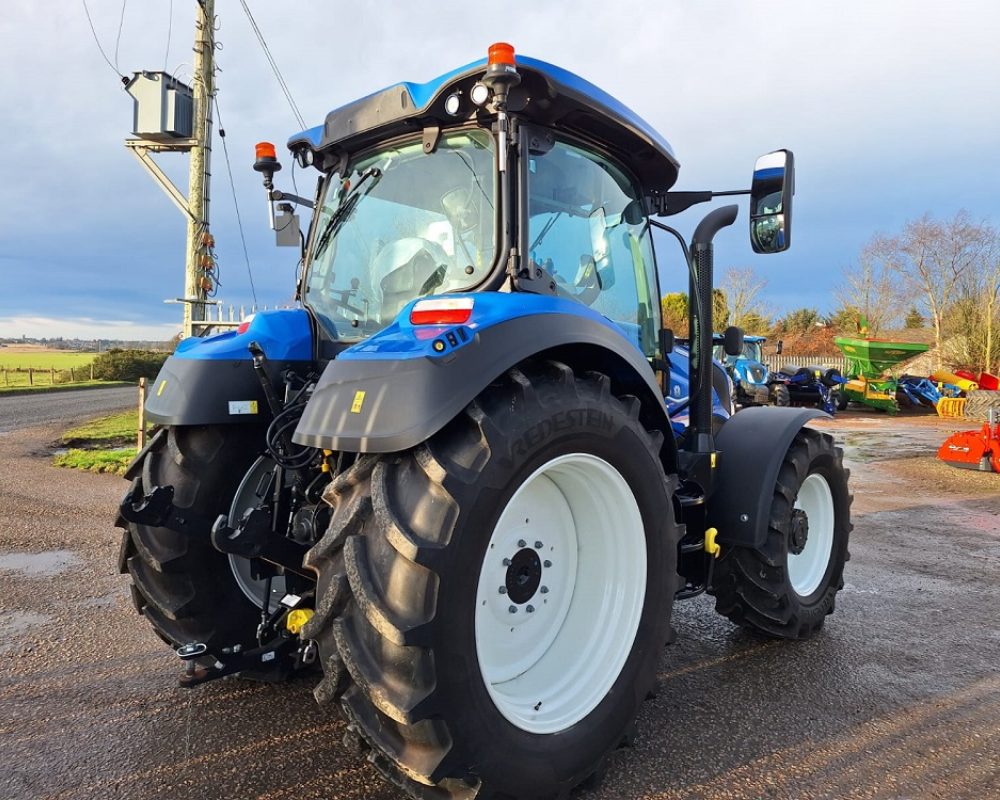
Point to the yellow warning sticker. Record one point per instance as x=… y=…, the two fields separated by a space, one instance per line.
x=163 y=385
x=359 y=400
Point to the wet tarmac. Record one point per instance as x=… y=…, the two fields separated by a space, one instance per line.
x=898 y=697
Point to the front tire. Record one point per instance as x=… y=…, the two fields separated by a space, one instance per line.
x=788 y=586
x=546 y=480
x=782 y=397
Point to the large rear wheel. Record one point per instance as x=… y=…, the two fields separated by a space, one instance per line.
x=188 y=590
x=492 y=604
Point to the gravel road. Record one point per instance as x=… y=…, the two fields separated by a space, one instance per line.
x=898 y=697
x=42 y=408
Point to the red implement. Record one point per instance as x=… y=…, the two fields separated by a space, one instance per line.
x=978 y=450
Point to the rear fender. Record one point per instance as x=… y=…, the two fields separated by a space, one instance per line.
x=210 y=380
x=752 y=444
x=407 y=382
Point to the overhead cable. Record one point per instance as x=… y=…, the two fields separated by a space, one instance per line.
x=274 y=65
x=232 y=185
x=98 y=43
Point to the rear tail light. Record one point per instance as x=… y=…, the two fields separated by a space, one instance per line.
x=442 y=311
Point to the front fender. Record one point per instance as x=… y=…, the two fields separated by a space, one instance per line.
x=407 y=382
x=751 y=446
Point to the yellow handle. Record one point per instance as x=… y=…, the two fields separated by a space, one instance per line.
x=712 y=547
x=297 y=618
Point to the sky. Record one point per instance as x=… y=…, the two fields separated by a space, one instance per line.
x=891 y=108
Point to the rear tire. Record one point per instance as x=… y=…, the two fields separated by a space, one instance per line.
x=776 y=590
x=182 y=584
x=782 y=397
x=412 y=589
x=843 y=401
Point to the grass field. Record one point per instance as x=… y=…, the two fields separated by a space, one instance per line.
x=105 y=444
x=48 y=367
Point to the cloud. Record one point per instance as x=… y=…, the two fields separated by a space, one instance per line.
x=84 y=328
x=892 y=109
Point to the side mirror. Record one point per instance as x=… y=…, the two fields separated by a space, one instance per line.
x=779 y=347
x=666 y=341
x=771 y=202
x=732 y=341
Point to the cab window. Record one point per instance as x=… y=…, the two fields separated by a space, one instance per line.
x=587 y=229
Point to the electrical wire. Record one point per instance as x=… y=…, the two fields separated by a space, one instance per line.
x=118 y=38
x=274 y=65
x=170 y=29
x=98 y=43
x=236 y=204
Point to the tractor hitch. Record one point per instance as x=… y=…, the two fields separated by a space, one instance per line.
x=156 y=509
x=253 y=537
x=272 y=661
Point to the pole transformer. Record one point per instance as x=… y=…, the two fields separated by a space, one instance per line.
x=171 y=117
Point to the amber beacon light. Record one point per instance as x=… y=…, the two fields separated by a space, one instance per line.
x=501 y=53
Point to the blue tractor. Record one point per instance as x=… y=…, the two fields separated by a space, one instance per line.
x=750 y=375
x=449 y=484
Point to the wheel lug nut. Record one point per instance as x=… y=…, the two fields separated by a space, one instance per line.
x=502 y=590
x=521 y=543
x=544 y=589
x=530 y=609
x=506 y=562
x=546 y=563
x=512 y=609
x=538 y=545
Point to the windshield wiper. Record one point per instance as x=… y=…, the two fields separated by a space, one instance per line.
x=347 y=205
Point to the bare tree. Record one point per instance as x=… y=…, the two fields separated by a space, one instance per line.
x=872 y=290
x=933 y=258
x=742 y=288
x=974 y=314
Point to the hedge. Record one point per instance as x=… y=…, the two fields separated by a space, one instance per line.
x=128 y=365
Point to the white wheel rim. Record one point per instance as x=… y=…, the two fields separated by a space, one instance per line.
x=578 y=520
x=807 y=569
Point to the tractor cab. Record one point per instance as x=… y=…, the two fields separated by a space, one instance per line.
x=420 y=196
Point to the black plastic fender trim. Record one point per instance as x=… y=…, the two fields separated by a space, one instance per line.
x=751 y=446
x=389 y=405
x=192 y=391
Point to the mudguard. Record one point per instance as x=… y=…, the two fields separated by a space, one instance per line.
x=210 y=380
x=404 y=384
x=752 y=445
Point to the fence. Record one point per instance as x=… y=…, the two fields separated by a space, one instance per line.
x=777 y=362
x=46 y=376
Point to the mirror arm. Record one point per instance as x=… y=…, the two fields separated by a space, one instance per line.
x=277 y=194
x=669 y=203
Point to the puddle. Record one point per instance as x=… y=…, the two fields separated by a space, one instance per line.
x=887 y=445
x=51 y=562
x=14 y=624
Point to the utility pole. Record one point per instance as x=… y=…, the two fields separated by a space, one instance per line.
x=199 y=261
x=169 y=118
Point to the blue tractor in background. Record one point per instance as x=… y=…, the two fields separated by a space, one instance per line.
x=450 y=483
x=752 y=384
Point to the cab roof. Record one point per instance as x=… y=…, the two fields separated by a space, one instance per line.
x=547 y=95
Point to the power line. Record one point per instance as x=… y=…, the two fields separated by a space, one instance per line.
x=232 y=185
x=170 y=28
x=118 y=38
x=98 y=43
x=274 y=65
